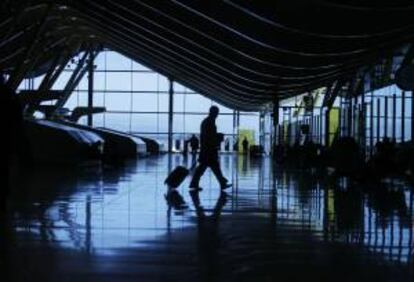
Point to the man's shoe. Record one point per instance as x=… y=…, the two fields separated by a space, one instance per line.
x=226 y=185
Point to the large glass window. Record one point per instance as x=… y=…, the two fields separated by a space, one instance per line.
x=137 y=100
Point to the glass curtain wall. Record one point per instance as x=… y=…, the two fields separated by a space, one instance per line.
x=136 y=99
x=369 y=118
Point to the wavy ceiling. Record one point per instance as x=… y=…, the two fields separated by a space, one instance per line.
x=243 y=54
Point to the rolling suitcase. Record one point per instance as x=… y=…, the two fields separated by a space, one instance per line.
x=176 y=177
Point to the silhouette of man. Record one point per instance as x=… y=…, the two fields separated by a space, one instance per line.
x=210 y=141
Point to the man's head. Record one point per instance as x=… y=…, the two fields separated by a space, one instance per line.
x=214 y=111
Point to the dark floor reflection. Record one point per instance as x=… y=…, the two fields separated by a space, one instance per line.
x=208 y=237
x=121 y=224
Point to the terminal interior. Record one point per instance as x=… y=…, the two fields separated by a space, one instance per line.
x=99 y=103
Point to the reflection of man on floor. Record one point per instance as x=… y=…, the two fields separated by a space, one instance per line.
x=221 y=202
x=209 y=240
x=210 y=141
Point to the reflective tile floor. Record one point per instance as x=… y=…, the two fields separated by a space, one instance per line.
x=119 y=224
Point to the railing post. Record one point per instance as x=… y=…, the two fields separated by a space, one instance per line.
x=170 y=115
x=90 y=90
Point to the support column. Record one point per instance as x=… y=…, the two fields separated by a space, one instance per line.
x=75 y=78
x=412 y=115
x=90 y=90
x=362 y=122
x=349 y=119
x=311 y=125
x=378 y=119
x=235 y=132
x=275 y=122
x=170 y=115
x=403 y=116
x=288 y=132
x=342 y=115
x=371 y=126
x=321 y=118
x=385 y=117
x=261 y=130
x=52 y=75
x=327 y=125
x=394 y=117
x=355 y=120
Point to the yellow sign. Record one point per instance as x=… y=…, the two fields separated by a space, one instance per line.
x=285 y=132
x=333 y=124
x=247 y=134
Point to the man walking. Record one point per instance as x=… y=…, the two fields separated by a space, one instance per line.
x=210 y=141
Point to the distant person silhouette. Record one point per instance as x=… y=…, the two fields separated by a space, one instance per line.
x=194 y=144
x=227 y=145
x=210 y=141
x=177 y=144
x=245 y=145
x=236 y=145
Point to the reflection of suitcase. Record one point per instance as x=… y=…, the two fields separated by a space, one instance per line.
x=176 y=177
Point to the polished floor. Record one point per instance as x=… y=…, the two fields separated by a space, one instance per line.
x=106 y=223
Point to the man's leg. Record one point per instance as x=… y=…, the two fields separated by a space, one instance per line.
x=199 y=171
x=215 y=167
